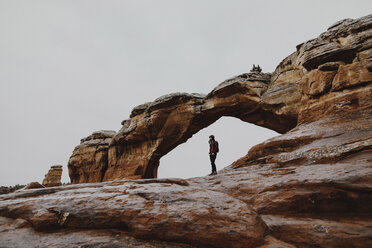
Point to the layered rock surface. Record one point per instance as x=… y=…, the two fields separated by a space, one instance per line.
x=152 y=209
x=53 y=177
x=88 y=162
x=309 y=187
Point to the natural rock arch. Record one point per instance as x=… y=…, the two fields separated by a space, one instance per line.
x=294 y=94
x=156 y=128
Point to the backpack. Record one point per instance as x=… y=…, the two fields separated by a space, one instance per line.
x=216 y=144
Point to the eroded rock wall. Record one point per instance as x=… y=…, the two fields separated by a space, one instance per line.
x=89 y=160
x=332 y=75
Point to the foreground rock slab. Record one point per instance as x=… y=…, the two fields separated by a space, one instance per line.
x=154 y=209
x=18 y=233
x=251 y=206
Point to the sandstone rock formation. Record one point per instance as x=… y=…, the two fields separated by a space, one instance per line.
x=88 y=162
x=302 y=89
x=156 y=128
x=53 y=177
x=34 y=185
x=309 y=187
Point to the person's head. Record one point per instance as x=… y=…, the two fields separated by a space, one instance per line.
x=211 y=137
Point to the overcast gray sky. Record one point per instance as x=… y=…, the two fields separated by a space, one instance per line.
x=68 y=68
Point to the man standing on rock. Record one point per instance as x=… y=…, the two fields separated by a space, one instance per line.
x=213 y=150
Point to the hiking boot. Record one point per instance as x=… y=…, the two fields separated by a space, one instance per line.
x=213 y=173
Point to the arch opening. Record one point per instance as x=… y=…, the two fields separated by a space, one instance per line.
x=191 y=159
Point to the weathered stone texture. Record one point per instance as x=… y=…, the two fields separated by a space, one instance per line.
x=88 y=162
x=53 y=177
x=153 y=209
x=34 y=185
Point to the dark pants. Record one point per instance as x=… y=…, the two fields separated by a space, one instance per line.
x=213 y=158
